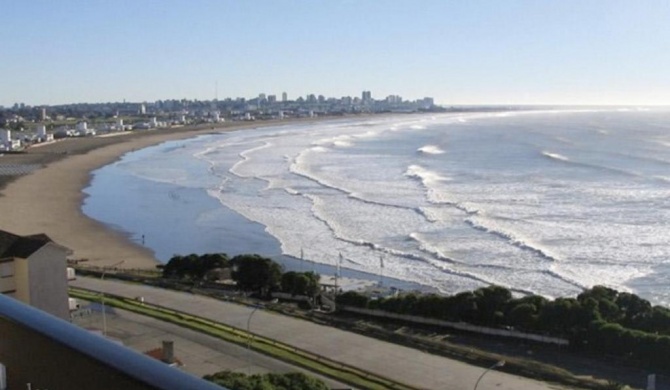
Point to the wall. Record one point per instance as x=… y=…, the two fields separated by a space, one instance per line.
x=46 y=364
x=7 y=283
x=47 y=272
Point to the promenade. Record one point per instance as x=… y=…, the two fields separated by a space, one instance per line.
x=396 y=362
x=200 y=353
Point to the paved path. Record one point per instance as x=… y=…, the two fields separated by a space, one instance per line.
x=201 y=354
x=397 y=362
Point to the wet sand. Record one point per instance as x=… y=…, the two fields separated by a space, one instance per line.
x=49 y=199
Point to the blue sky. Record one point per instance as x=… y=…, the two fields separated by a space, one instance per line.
x=459 y=52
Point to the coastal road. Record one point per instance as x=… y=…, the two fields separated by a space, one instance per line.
x=393 y=361
x=201 y=354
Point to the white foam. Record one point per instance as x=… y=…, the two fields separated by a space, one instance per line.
x=426 y=176
x=556 y=156
x=430 y=149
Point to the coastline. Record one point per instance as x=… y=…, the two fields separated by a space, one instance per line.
x=49 y=200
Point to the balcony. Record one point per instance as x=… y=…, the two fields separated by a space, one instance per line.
x=49 y=353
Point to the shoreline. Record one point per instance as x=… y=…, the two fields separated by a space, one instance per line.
x=49 y=200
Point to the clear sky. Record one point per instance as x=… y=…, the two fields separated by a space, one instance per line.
x=459 y=52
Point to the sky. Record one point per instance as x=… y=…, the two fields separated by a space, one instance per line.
x=459 y=52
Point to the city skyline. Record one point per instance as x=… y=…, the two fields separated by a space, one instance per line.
x=460 y=53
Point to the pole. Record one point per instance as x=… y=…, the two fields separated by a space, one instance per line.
x=381 y=270
x=102 y=298
x=498 y=364
x=249 y=338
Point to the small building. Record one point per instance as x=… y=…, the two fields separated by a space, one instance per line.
x=42 y=135
x=165 y=354
x=33 y=269
x=6 y=141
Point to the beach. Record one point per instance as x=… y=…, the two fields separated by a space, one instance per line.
x=48 y=200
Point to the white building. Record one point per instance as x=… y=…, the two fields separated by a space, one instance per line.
x=42 y=135
x=6 y=141
x=33 y=269
x=82 y=127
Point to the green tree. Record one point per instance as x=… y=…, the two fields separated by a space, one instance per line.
x=256 y=273
x=193 y=266
x=491 y=303
x=634 y=310
x=352 y=298
x=270 y=381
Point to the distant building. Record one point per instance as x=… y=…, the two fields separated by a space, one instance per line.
x=284 y=97
x=366 y=96
x=6 y=141
x=42 y=135
x=272 y=99
x=82 y=127
x=33 y=269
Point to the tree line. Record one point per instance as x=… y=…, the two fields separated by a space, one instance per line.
x=599 y=319
x=252 y=273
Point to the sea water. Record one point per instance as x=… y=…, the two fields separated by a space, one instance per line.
x=546 y=202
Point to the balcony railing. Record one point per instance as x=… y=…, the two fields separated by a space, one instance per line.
x=49 y=353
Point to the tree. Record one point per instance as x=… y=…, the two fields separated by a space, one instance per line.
x=523 y=316
x=193 y=266
x=353 y=298
x=256 y=273
x=270 y=381
x=300 y=283
x=491 y=302
x=634 y=310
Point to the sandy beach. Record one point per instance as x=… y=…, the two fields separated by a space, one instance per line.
x=49 y=199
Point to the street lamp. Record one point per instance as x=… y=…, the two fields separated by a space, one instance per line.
x=499 y=363
x=250 y=337
x=102 y=297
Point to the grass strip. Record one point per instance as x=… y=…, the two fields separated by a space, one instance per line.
x=319 y=364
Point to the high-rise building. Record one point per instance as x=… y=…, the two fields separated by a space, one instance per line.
x=272 y=98
x=366 y=96
x=284 y=97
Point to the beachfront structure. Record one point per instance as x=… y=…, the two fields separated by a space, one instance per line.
x=33 y=269
x=6 y=141
x=42 y=135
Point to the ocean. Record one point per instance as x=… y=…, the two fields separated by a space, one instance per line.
x=545 y=202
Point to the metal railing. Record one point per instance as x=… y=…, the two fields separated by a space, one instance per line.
x=48 y=352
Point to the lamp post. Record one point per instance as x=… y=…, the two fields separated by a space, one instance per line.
x=496 y=365
x=250 y=337
x=102 y=298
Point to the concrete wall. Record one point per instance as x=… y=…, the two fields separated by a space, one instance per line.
x=7 y=282
x=22 y=282
x=47 y=273
x=33 y=358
